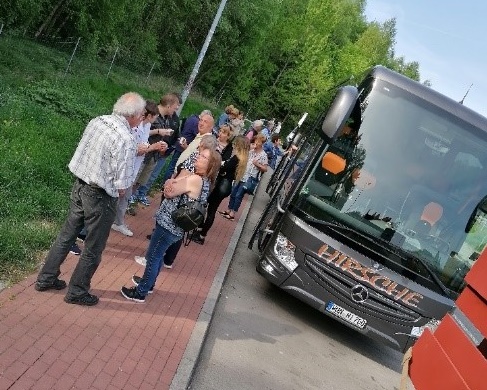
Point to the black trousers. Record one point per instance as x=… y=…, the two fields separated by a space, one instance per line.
x=219 y=193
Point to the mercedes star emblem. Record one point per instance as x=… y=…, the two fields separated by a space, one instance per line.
x=359 y=293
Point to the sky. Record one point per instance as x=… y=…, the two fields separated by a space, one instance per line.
x=447 y=38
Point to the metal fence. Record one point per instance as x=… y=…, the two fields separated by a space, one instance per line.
x=74 y=50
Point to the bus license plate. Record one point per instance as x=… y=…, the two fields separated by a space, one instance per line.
x=340 y=312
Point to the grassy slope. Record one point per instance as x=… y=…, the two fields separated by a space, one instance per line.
x=43 y=112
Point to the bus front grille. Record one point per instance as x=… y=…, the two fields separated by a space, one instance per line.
x=341 y=284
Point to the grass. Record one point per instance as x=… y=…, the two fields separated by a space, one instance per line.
x=43 y=112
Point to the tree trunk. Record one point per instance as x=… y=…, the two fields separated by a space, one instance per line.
x=49 y=19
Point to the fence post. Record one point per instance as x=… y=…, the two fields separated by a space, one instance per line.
x=72 y=55
x=113 y=60
x=150 y=71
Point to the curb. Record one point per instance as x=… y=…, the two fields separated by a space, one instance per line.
x=184 y=373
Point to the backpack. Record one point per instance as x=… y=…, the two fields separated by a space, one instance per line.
x=188 y=216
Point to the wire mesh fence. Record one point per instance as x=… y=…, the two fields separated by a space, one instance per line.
x=75 y=58
x=75 y=51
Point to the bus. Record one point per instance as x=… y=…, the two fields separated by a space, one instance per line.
x=378 y=217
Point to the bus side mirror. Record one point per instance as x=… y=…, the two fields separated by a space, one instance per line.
x=333 y=163
x=339 y=111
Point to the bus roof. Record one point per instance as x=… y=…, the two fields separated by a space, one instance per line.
x=468 y=115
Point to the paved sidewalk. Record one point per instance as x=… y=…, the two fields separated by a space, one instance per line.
x=46 y=343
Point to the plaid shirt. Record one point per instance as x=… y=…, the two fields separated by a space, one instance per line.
x=105 y=156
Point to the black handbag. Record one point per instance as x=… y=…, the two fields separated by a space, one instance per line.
x=188 y=216
x=223 y=186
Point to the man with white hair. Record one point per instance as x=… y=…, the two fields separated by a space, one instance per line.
x=188 y=133
x=205 y=127
x=103 y=165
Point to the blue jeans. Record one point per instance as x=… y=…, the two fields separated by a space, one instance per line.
x=172 y=252
x=161 y=240
x=145 y=187
x=236 y=197
x=94 y=209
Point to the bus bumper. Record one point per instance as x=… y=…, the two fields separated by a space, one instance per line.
x=396 y=336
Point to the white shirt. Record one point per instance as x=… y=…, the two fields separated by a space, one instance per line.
x=141 y=135
x=193 y=145
x=105 y=155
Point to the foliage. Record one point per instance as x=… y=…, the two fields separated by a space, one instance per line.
x=270 y=58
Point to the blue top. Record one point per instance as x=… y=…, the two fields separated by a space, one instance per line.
x=272 y=152
x=189 y=131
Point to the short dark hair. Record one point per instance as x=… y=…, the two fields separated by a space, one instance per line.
x=274 y=137
x=151 y=108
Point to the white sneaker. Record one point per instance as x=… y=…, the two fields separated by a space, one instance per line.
x=122 y=229
x=141 y=260
x=167 y=266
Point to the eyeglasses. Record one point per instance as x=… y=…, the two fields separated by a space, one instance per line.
x=203 y=156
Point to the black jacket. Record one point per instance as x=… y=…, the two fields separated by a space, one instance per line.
x=164 y=122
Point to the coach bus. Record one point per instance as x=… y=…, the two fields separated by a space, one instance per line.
x=376 y=222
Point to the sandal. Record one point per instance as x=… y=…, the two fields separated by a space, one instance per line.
x=224 y=213
x=228 y=216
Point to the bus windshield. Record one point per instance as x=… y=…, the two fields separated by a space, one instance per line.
x=408 y=174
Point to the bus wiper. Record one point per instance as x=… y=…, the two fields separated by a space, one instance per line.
x=387 y=245
x=435 y=278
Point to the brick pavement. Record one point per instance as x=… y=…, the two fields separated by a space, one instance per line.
x=46 y=343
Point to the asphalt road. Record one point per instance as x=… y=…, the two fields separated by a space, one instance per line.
x=263 y=338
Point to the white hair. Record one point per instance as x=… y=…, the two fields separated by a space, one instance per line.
x=206 y=112
x=129 y=104
x=257 y=123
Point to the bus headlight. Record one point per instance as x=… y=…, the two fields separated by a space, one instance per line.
x=431 y=325
x=284 y=252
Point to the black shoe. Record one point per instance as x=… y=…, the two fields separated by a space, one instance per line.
x=198 y=238
x=137 y=279
x=75 y=250
x=58 y=284
x=132 y=294
x=83 y=300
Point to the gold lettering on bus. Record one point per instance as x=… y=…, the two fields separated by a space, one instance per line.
x=341 y=259
x=412 y=299
x=374 y=279
x=329 y=256
x=369 y=276
x=397 y=294
x=322 y=250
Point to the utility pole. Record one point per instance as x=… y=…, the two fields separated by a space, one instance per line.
x=466 y=93
x=194 y=73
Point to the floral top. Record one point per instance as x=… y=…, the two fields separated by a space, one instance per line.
x=168 y=205
x=251 y=169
